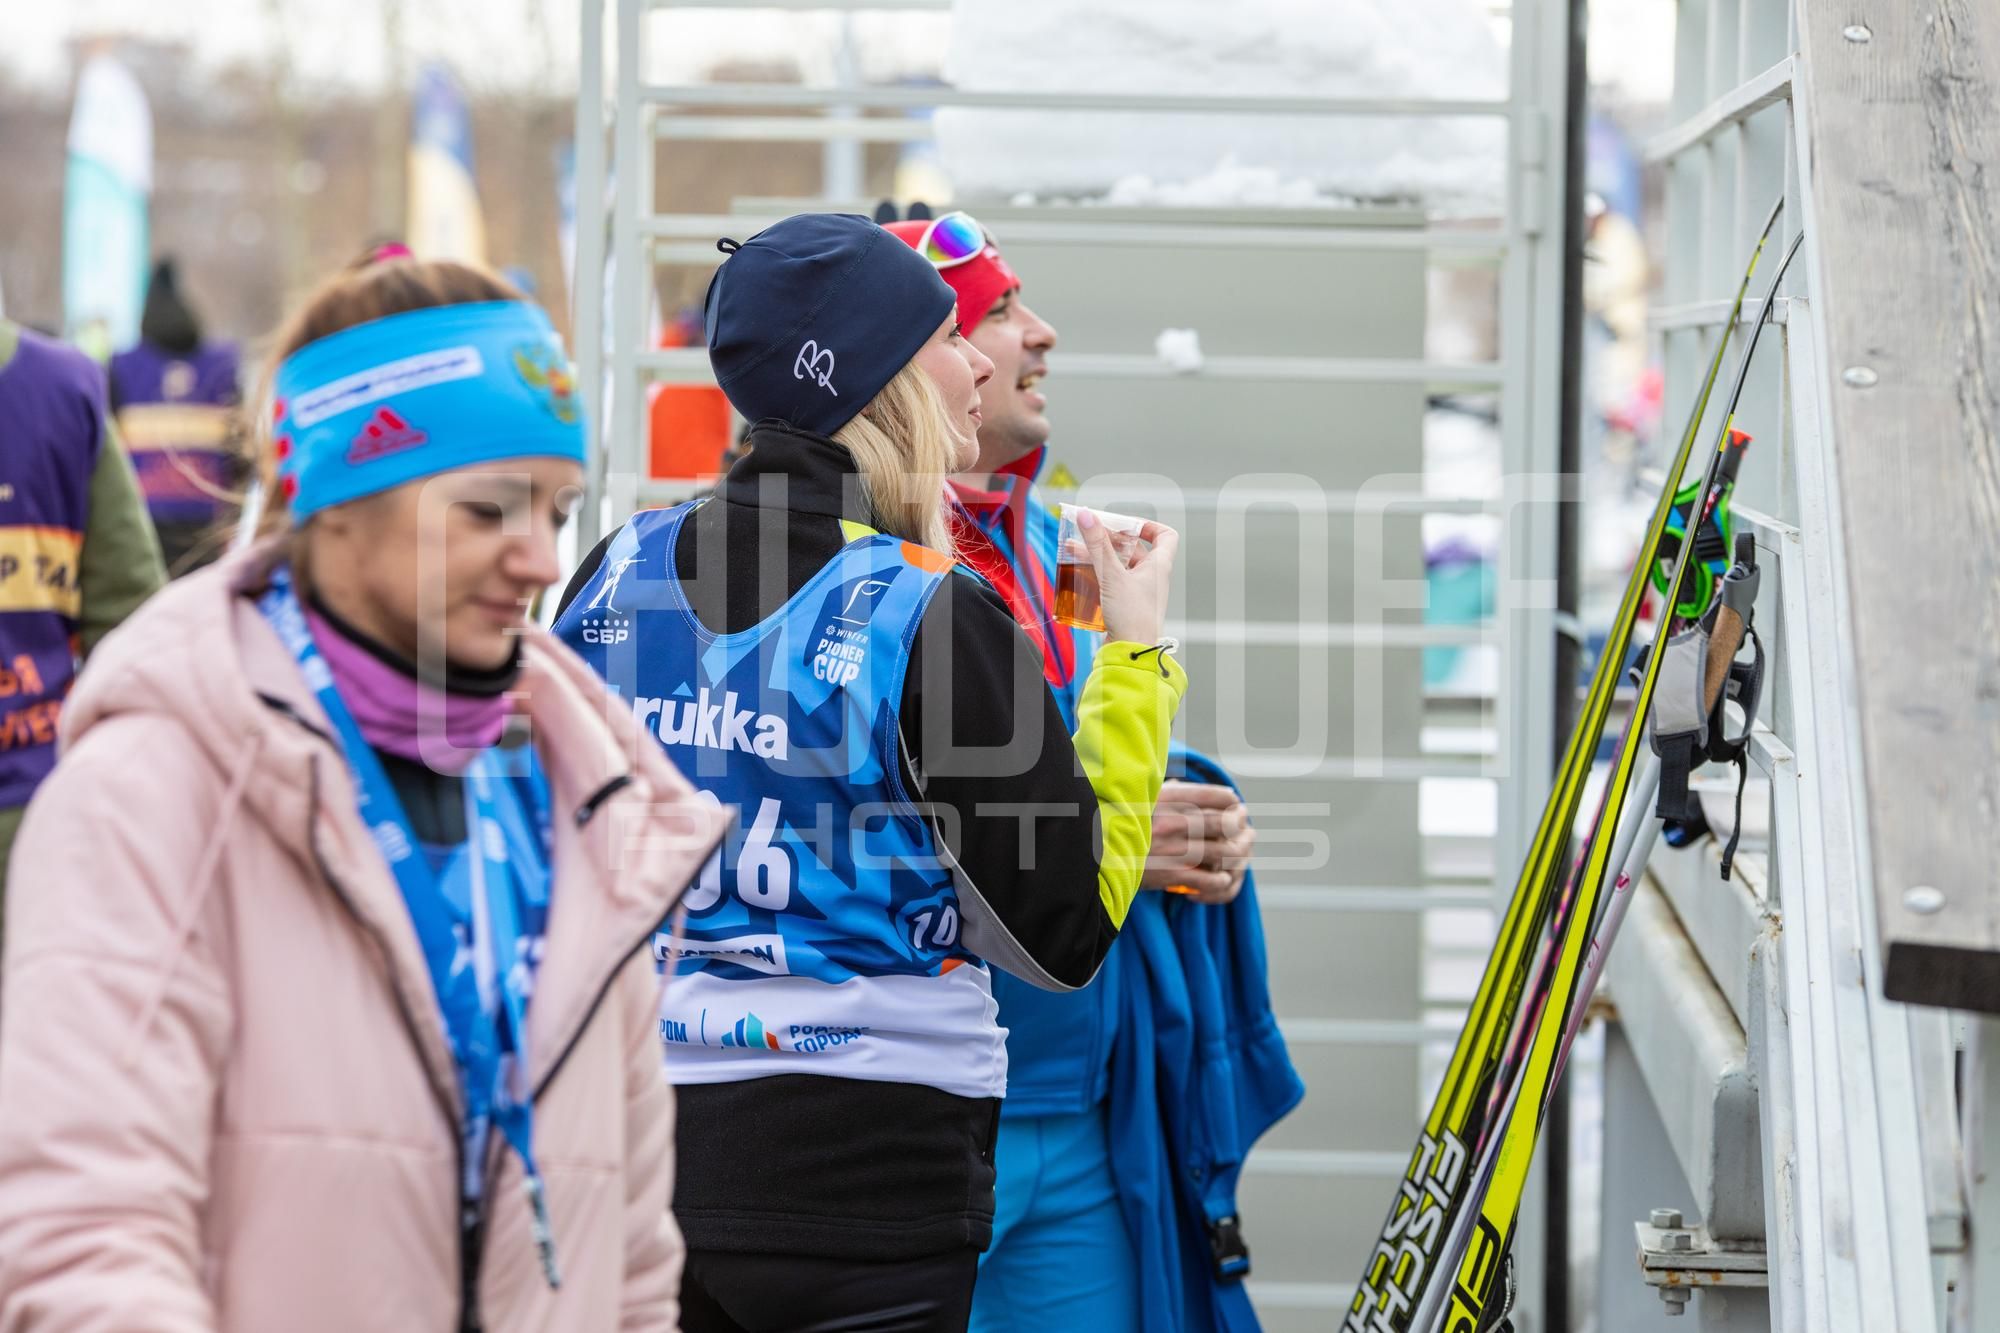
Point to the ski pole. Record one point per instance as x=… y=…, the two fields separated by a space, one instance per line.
x=1545 y=959
x=1489 y=1236
x=1404 y=1268
x=1725 y=641
x=1636 y=836
x=1638 y=833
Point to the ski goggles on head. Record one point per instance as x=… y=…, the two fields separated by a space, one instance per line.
x=953 y=239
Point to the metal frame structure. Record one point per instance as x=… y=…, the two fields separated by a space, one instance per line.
x=615 y=365
x=1813 y=1122
x=1864 y=1202
x=1528 y=247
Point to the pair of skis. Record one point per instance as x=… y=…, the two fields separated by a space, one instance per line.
x=1439 y=1257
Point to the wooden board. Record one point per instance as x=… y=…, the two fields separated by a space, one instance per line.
x=1905 y=170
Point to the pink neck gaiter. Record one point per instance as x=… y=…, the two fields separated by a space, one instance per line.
x=401 y=715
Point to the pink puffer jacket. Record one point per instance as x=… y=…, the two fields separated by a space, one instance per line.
x=227 y=1099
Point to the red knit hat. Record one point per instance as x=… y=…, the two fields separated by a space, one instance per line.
x=979 y=281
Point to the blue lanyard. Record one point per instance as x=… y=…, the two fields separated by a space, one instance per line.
x=506 y=864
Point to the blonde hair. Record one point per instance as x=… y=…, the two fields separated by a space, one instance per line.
x=905 y=448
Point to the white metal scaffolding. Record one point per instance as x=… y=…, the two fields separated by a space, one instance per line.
x=1525 y=248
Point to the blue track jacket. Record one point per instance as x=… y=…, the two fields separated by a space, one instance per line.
x=1198 y=1074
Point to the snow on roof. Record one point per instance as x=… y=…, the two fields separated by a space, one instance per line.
x=1325 y=48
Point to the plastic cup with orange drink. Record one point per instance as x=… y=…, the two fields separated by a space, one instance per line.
x=1079 y=601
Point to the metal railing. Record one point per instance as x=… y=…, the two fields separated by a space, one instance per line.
x=1864 y=1209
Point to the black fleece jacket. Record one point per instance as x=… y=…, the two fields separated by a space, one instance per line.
x=983 y=737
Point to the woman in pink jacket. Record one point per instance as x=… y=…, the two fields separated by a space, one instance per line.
x=326 y=998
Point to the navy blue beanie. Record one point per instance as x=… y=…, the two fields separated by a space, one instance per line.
x=809 y=319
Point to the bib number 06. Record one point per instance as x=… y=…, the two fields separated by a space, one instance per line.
x=763 y=877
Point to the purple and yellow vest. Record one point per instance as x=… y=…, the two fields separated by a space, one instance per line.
x=173 y=415
x=52 y=404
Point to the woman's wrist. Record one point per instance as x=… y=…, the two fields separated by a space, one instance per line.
x=1136 y=629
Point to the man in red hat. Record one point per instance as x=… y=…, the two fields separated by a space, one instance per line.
x=1057 y=1198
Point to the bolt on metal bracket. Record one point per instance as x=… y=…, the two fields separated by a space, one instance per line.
x=1681 y=1260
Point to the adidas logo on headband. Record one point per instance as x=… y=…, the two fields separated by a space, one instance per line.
x=386 y=433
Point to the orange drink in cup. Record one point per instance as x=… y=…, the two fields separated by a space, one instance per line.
x=1079 y=602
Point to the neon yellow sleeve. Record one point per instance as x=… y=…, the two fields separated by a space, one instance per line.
x=1123 y=722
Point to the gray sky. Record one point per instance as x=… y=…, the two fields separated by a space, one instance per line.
x=491 y=43
x=325 y=40
x=523 y=43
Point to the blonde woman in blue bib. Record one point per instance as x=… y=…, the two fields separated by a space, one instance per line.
x=910 y=809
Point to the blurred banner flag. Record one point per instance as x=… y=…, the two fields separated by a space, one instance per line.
x=109 y=180
x=444 y=220
x=566 y=217
x=688 y=424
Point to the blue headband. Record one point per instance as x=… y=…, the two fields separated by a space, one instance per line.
x=371 y=407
